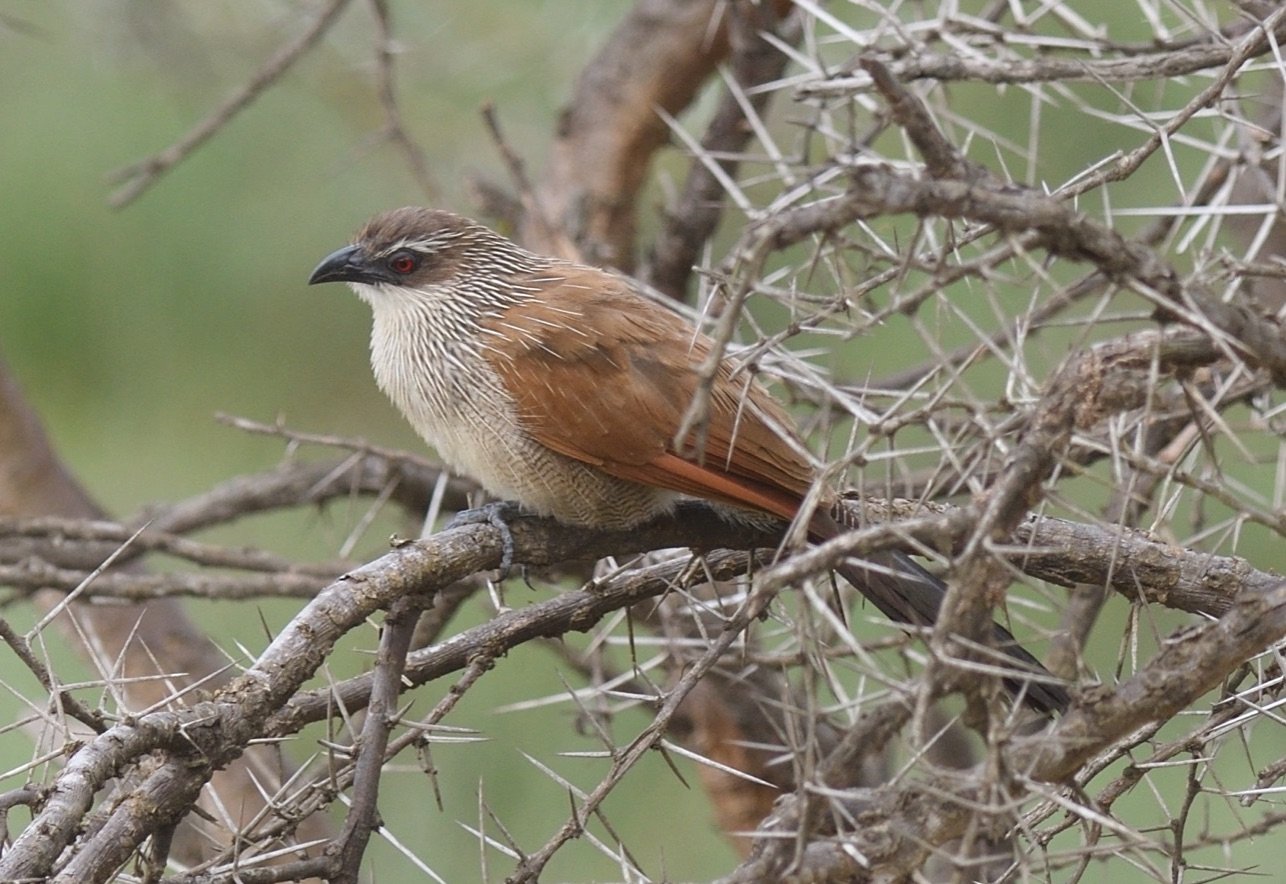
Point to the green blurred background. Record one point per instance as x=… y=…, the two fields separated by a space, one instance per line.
x=130 y=329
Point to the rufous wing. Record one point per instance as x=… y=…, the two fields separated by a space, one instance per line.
x=603 y=375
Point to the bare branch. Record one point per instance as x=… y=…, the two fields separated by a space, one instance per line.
x=658 y=58
x=691 y=222
x=134 y=180
x=386 y=88
x=1213 y=52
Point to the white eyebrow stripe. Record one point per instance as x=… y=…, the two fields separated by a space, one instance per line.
x=418 y=244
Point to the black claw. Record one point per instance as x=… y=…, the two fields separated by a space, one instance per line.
x=497 y=515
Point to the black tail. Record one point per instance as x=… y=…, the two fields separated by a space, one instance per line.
x=906 y=592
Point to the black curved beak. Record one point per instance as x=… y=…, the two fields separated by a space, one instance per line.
x=341 y=265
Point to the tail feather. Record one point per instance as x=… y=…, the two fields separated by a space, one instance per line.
x=906 y=592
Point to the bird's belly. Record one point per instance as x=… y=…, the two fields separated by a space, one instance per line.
x=511 y=467
x=485 y=443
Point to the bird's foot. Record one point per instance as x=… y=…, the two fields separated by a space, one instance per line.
x=497 y=515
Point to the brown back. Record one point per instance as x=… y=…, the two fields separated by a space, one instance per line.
x=602 y=375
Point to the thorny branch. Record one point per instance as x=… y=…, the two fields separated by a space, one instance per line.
x=1056 y=550
x=1168 y=420
x=244 y=710
x=1213 y=52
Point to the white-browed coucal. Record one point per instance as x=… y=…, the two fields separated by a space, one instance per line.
x=562 y=387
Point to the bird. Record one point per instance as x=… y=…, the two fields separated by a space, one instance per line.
x=561 y=387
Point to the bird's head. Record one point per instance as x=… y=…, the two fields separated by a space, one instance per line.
x=426 y=251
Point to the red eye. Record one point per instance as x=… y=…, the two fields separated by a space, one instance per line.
x=403 y=262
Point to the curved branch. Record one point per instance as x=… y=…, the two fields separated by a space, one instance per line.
x=135 y=179
x=659 y=57
x=690 y=223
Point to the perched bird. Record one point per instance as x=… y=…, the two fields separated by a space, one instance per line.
x=562 y=387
